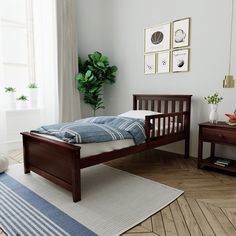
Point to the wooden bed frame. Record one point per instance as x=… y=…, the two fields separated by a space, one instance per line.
x=61 y=163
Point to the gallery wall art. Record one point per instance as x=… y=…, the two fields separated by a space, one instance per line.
x=163 y=62
x=166 y=47
x=181 y=33
x=180 y=60
x=150 y=63
x=157 y=38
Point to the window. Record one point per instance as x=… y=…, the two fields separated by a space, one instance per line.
x=28 y=53
x=17 y=44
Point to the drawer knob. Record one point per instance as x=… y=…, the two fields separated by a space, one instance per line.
x=220 y=135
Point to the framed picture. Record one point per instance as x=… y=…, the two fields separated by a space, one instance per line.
x=157 y=38
x=163 y=62
x=180 y=60
x=181 y=33
x=150 y=63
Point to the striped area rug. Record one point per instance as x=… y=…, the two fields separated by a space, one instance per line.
x=24 y=213
x=113 y=202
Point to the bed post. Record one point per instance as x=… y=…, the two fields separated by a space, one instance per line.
x=25 y=156
x=187 y=137
x=134 y=102
x=76 y=177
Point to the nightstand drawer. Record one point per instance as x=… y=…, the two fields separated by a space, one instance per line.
x=219 y=135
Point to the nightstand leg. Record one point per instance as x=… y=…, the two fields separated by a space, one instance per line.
x=212 y=149
x=200 y=146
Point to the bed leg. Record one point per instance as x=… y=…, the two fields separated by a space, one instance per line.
x=186 y=148
x=26 y=171
x=26 y=166
x=76 y=182
x=76 y=190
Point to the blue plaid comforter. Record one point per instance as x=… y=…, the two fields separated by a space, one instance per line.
x=97 y=129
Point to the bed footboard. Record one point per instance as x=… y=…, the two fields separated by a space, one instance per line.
x=57 y=161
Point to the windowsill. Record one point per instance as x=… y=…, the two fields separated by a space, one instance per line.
x=22 y=109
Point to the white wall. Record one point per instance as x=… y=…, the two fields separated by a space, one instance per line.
x=116 y=28
x=92 y=28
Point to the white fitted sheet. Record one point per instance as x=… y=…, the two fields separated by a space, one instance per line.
x=90 y=149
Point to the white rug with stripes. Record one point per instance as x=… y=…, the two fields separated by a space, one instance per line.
x=113 y=201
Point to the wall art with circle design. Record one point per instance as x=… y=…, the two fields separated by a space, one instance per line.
x=180 y=60
x=157 y=38
x=181 y=35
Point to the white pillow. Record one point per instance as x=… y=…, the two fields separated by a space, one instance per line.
x=139 y=114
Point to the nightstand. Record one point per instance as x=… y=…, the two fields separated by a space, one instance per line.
x=221 y=133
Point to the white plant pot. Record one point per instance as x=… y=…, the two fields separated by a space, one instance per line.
x=11 y=100
x=213 y=116
x=33 y=97
x=22 y=104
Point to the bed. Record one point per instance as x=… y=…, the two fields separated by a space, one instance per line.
x=61 y=162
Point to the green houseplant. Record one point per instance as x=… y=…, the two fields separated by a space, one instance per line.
x=22 y=98
x=10 y=90
x=213 y=100
x=10 y=97
x=22 y=101
x=93 y=73
x=33 y=94
x=32 y=86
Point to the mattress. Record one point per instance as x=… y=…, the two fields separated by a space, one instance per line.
x=90 y=149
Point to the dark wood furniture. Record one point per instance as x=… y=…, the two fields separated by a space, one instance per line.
x=221 y=133
x=61 y=162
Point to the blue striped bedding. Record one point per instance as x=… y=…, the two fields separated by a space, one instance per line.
x=97 y=129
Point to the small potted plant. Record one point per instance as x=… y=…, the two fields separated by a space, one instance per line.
x=11 y=99
x=33 y=94
x=213 y=100
x=22 y=101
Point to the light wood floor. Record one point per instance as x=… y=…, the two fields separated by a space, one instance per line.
x=208 y=206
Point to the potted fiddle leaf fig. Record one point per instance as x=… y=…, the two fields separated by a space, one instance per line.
x=93 y=73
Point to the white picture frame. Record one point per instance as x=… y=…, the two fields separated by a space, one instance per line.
x=157 y=38
x=163 y=62
x=180 y=60
x=181 y=33
x=150 y=63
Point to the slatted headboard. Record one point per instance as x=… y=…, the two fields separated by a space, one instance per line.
x=162 y=102
x=175 y=109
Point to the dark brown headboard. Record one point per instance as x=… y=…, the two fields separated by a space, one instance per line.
x=163 y=103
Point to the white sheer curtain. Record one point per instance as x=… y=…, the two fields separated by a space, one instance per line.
x=3 y=133
x=69 y=99
x=45 y=38
x=3 y=142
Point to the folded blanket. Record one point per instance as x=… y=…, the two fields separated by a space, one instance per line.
x=97 y=129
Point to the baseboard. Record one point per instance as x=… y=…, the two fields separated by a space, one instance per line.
x=16 y=144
